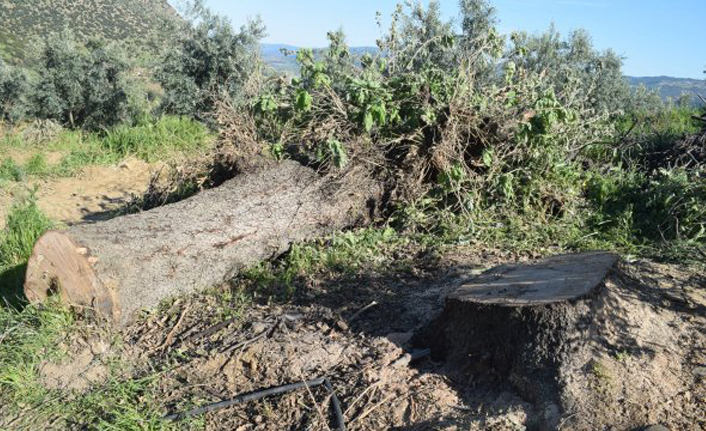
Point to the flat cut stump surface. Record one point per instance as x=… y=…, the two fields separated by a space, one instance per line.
x=556 y=279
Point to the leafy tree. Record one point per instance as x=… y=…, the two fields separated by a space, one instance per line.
x=14 y=91
x=417 y=38
x=574 y=67
x=208 y=60
x=81 y=85
x=480 y=37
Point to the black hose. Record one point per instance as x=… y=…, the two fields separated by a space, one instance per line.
x=336 y=407
x=245 y=398
x=252 y=396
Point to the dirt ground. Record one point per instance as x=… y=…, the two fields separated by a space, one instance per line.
x=652 y=370
x=93 y=195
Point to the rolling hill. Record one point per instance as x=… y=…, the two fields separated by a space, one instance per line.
x=272 y=54
x=670 y=87
x=22 y=20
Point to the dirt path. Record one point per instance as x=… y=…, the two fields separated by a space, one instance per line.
x=90 y=196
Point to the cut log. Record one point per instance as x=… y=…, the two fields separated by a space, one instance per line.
x=130 y=263
x=518 y=323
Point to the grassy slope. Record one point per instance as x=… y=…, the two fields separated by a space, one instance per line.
x=152 y=139
x=21 y=20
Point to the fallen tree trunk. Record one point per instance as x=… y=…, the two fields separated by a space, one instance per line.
x=130 y=263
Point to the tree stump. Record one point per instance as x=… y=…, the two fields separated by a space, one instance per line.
x=121 y=266
x=520 y=322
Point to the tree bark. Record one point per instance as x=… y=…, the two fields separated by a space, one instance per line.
x=121 y=266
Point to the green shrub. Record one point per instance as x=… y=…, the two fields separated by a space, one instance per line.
x=208 y=61
x=426 y=111
x=657 y=208
x=483 y=143
x=81 y=85
x=14 y=93
x=651 y=138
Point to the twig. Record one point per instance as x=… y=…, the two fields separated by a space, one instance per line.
x=362 y=310
x=701 y=97
x=308 y=389
x=210 y=331
x=701 y=252
x=7 y=332
x=350 y=407
x=245 y=343
x=373 y=408
x=168 y=340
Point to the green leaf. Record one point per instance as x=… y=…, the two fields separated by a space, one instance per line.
x=266 y=104
x=304 y=101
x=488 y=157
x=379 y=113
x=368 y=121
x=448 y=41
x=429 y=116
x=277 y=151
x=321 y=80
x=338 y=153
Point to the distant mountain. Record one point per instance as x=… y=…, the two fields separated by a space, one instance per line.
x=272 y=54
x=22 y=20
x=670 y=87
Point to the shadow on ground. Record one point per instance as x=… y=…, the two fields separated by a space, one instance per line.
x=11 y=286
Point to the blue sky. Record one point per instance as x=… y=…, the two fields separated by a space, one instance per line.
x=658 y=37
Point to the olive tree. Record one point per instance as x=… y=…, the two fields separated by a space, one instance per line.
x=14 y=91
x=81 y=85
x=207 y=60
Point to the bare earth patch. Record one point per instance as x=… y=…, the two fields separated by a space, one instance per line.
x=93 y=195
x=639 y=367
x=85 y=366
x=643 y=363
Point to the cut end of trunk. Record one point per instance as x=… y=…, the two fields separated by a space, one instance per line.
x=58 y=266
x=556 y=279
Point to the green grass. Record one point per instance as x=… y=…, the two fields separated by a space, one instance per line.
x=33 y=334
x=11 y=171
x=25 y=223
x=151 y=139
x=347 y=253
x=29 y=336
